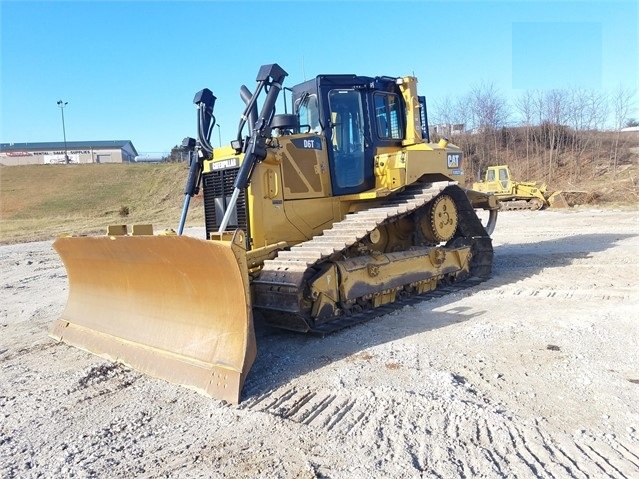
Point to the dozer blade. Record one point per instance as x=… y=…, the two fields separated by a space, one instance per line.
x=173 y=307
x=558 y=200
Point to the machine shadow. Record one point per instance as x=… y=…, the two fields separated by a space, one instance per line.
x=283 y=355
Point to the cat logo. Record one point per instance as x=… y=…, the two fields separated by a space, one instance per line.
x=223 y=164
x=453 y=160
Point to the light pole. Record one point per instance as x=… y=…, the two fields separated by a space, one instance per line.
x=62 y=104
x=219 y=134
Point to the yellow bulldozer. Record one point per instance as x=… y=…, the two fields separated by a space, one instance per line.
x=315 y=216
x=524 y=195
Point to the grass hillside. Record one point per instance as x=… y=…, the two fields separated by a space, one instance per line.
x=39 y=202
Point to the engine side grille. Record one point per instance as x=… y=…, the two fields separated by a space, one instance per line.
x=218 y=189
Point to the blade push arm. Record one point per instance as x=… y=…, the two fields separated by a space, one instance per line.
x=205 y=101
x=273 y=77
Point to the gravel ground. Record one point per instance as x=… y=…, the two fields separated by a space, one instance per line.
x=533 y=373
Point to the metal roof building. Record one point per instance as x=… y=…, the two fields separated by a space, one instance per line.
x=106 y=151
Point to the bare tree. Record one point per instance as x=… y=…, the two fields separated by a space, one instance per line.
x=537 y=98
x=524 y=105
x=489 y=107
x=578 y=114
x=489 y=111
x=587 y=111
x=462 y=113
x=598 y=107
x=555 y=117
x=622 y=101
x=443 y=110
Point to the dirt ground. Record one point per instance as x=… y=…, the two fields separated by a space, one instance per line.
x=533 y=373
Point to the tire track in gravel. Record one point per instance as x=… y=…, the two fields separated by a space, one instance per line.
x=624 y=451
x=457 y=436
x=561 y=294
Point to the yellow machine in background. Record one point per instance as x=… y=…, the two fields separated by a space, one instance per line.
x=314 y=218
x=523 y=195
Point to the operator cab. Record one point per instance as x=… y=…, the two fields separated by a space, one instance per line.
x=356 y=115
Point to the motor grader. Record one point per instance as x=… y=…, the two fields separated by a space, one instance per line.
x=314 y=217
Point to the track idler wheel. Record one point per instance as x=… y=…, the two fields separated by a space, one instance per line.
x=440 y=221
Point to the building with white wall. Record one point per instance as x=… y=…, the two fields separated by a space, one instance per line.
x=105 y=151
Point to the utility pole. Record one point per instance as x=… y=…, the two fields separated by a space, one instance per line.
x=62 y=104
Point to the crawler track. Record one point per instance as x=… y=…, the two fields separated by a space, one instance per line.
x=279 y=292
x=516 y=205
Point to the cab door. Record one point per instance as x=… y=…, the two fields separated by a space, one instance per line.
x=351 y=171
x=504 y=180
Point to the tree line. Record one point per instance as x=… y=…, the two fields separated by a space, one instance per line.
x=542 y=133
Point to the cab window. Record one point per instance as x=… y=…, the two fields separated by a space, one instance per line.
x=308 y=112
x=387 y=116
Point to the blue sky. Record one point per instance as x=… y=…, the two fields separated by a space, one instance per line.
x=130 y=69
